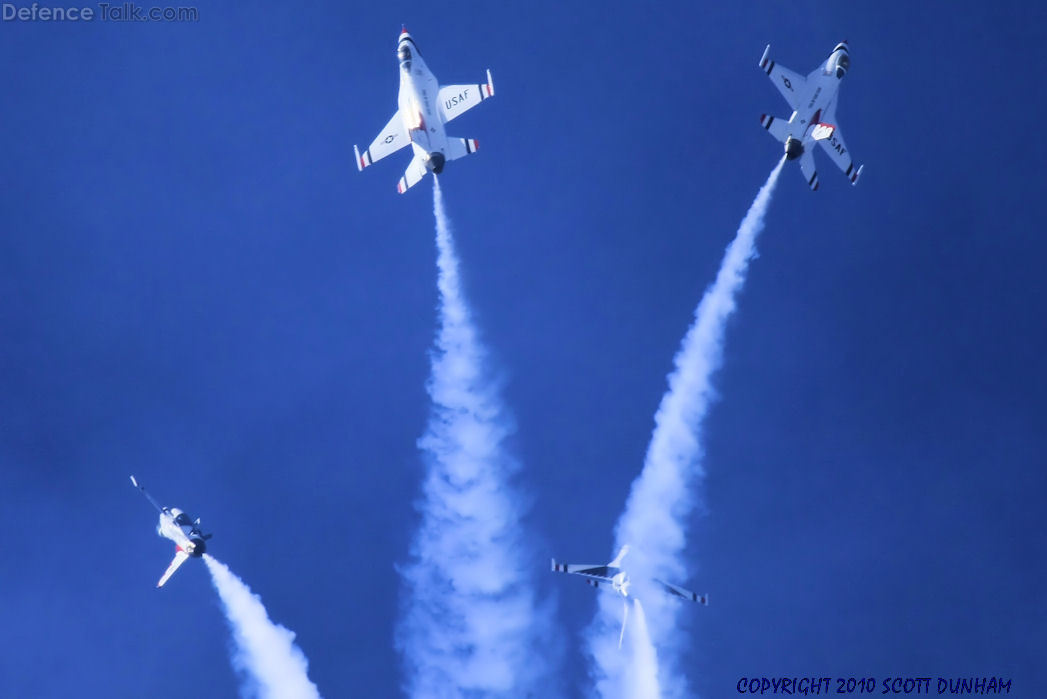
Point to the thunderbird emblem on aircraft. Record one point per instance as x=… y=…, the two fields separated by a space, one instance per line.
x=180 y=528
x=424 y=108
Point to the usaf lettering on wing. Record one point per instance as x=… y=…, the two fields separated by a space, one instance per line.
x=455 y=100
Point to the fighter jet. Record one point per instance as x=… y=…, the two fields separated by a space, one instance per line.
x=179 y=528
x=424 y=109
x=613 y=577
x=813 y=100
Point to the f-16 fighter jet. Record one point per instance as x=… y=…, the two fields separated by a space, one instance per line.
x=179 y=528
x=424 y=109
x=613 y=577
x=813 y=100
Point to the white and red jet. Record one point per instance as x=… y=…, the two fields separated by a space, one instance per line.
x=813 y=100
x=179 y=528
x=424 y=109
x=613 y=577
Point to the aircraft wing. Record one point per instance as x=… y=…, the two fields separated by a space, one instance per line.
x=392 y=138
x=596 y=573
x=456 y=100
x=833 y=145
x=791 y=84
x=683 y=593
x=180 y=558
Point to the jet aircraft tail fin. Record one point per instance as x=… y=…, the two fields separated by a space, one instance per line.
x=617 y=562
x=625 y=618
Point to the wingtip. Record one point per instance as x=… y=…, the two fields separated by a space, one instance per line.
x=763 y=58
x=359 y=160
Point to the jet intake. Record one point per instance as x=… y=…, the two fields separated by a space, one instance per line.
x=793 y=148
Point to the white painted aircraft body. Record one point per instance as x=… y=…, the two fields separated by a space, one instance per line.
x=180 y=528
x=424 y=109
x=813 y=121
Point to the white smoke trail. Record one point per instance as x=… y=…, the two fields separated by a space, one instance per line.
x=469 y=625
x=654 y=522
x=639 y=678
x=270 y=664
x=642 y=675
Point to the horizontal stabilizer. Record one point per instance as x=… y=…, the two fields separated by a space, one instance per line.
x=461 y=147
x=778 y=127
x=414 y=174
x=809 y=172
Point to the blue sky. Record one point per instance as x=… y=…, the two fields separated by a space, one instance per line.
x=197 y=286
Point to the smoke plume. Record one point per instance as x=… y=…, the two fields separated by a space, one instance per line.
x=470 y=625
x=654 y=522
x=271 y=666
